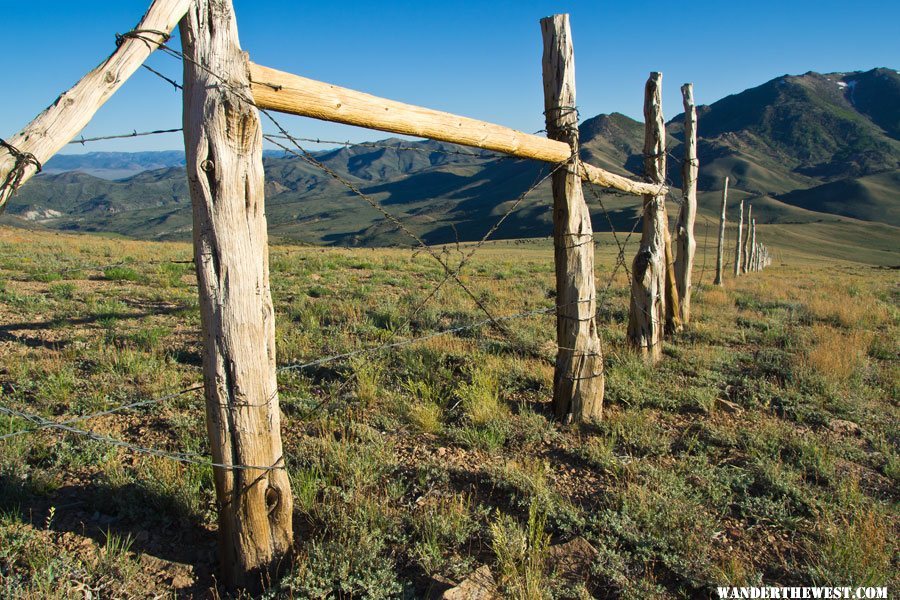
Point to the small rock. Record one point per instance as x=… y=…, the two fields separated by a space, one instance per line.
x=572 y=559
x=844 y=426
x=726 y=406
x=480 y=585
x=441 y=451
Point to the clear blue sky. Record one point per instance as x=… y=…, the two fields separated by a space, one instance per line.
x=476 y=58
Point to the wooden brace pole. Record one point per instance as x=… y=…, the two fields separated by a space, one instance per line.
x=720 y=251
x=22 y=155
x=292 y=94
x=687 y=244
x=223 y=144
x=646 y=318
x=578 y=377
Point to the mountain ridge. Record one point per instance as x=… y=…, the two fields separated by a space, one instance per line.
x=811 y=147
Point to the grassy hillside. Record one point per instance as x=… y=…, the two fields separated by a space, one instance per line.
x=763 y=449
x=870 y=198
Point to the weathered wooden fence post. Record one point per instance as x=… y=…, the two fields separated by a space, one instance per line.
x=578 y=378
x=223 y=143
x=720 y=254
x=647 y=313
x=687 y=245
x=737 y=246
x=673 y=303
x=745 y=264
x=751 y=260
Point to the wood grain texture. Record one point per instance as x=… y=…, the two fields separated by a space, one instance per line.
x=673 y=306
x=720 y=247
x=687 y=216
x=578 y=378
x=60 y=122
x=647 y=313
x=293 y=94
x=738 y=256
x=223 y=144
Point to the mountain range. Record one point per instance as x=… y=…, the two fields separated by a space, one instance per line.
x=808 y=148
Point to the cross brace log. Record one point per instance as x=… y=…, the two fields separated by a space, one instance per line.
x=296 y=95
x=21 y=158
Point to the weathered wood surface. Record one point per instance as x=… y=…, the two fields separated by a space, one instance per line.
x=745 y=263
x=751 y=261
x=293 y=94
x=646 y=318
x=720 y=252
x=223 y=143
x=60 y=122
x=687 y=216
x=578 y=378
x=673 y=305
x=737 y=247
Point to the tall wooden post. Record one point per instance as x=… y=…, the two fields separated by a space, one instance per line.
x=223 y=143
x=737 y=246
x=745 y=264
x=687 y=244
x=720 y=254
x=578 y=378
x=751 y=261
x=647 y=313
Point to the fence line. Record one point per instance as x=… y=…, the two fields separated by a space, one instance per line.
x=66 y=426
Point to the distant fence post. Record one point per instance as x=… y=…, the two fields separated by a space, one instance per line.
x=687 y=244
x=737 y=246
x=745 y=264
x=578 y=377
x=223 y=144
x=720 y=251
x=646 y=317
x=751 y=261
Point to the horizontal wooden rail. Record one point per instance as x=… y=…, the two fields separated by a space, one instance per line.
x=284 y=92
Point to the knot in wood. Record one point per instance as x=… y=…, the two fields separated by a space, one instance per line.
x=110 y=77
x=273 y=499
x=208 y=165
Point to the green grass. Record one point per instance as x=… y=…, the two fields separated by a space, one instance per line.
x=731 y=462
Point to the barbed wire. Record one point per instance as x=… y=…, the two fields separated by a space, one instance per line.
x=103 y=413
x=184 y=457
x=309 y=158
x=15 y=175
x=83 y=140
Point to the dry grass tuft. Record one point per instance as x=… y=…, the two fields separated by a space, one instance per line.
x=835 y=354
